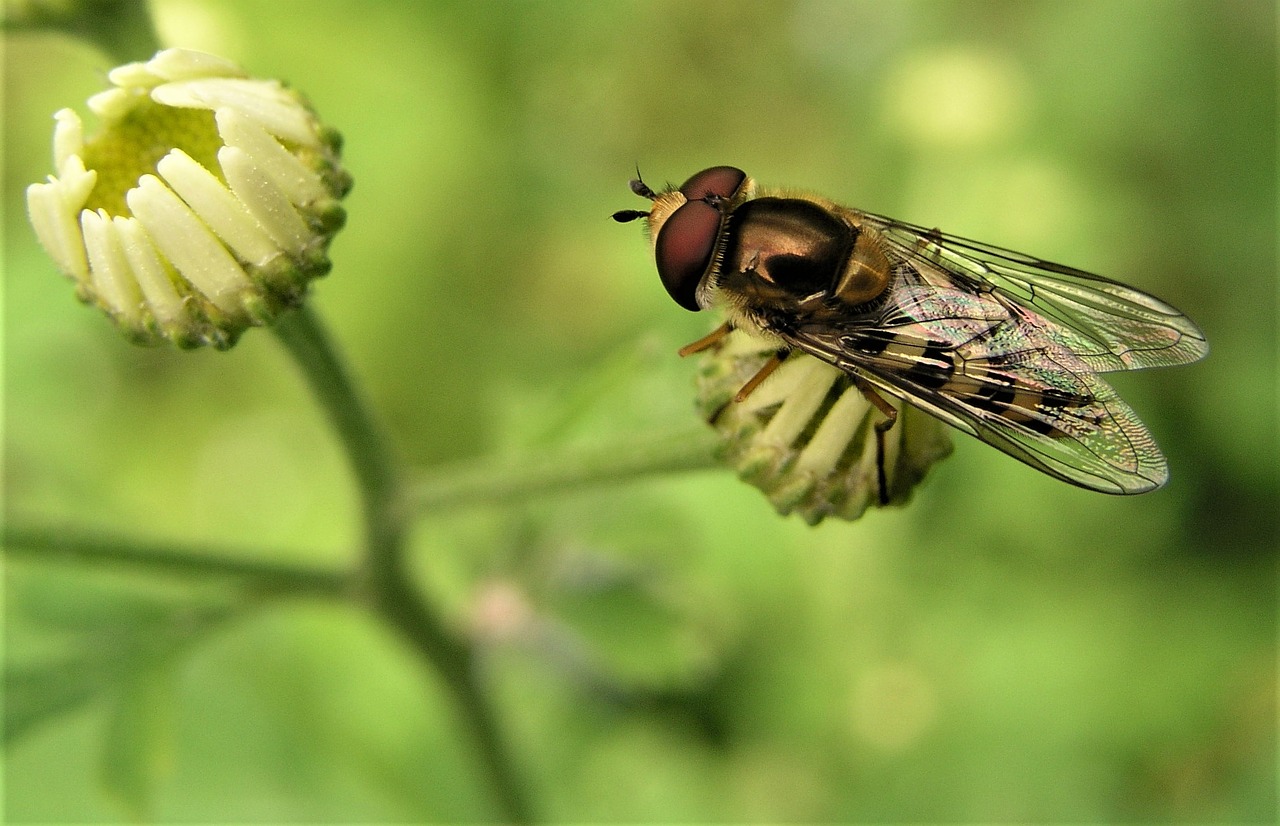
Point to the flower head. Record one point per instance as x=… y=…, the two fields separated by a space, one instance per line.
x=806 y=435
x=204 y=204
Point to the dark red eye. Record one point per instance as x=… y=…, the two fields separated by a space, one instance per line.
x=721 y=181
x=685 y=245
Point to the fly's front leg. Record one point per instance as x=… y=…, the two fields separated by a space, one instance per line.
x=763 y=373
x=881 y=427
x=708 y=341
x=717 y=335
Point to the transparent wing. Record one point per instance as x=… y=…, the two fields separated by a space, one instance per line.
x=1032 y=403
x=1107 y=325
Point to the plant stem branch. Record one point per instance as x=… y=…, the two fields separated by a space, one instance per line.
x=76 y=545
x=387 y=575
x=504 y=481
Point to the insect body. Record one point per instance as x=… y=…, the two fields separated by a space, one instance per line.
x=1000 y=345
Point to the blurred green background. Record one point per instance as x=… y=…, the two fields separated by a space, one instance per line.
x=1006 y=648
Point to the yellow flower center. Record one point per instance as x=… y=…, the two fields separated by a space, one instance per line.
x=133 y=145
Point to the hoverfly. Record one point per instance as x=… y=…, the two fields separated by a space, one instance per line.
x=1000 y=345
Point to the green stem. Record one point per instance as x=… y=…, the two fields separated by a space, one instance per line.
x=122 y=29
x=388 y=577
x=504 y=481
x=73 y=545
x=359 y=433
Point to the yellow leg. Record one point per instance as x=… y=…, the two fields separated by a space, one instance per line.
x=761 y=374
x=708 y=341
x=882 y=427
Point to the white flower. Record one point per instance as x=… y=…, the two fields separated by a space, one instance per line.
x=806 y=436
x=204 y=204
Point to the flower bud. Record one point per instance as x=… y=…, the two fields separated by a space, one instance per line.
x=806 y=435
x=204 y=204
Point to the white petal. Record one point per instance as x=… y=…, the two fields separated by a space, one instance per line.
x=300 y=184
x=217 y=207
x=68 y=137
x=134 y=75
x=188 y=244
x=782 y=385
x=265 y=200
x=832 y=438
x=112 y=276
x=113 y=104
x=184 y=64
x=54 y=209
x=77 y=182
x=264 y=101
x=794 y=415
x=152 y=274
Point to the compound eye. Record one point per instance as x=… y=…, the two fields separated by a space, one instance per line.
x=683 y=252
x=720 y=181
